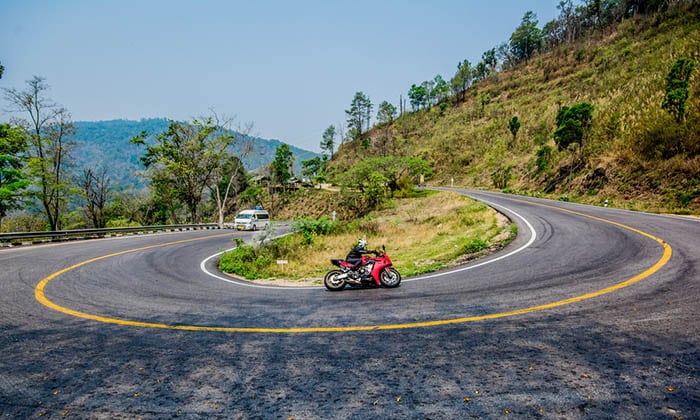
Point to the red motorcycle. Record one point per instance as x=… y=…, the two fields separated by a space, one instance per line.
x=373 y=271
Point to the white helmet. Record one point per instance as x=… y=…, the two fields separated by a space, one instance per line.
x=362 y=243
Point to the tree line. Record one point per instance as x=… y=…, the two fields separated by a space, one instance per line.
x=575 y=21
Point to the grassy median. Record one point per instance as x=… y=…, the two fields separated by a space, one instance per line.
x=432 y=231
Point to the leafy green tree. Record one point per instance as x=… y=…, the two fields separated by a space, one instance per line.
x=379 y=174
x=13 y=179
x=282 y=165
x=527 y=38
x=2 y=70
x=46 y=130
x=481 y=71
x=386 y=114
x=417 y=95
x=462 y=79
x=489 y=59
x=313 y=167
x=573 y=125
x=677 y=92
x=184 y=160
x=440 y=89
x=328 y=142
x=514 y=126
x=359 y=115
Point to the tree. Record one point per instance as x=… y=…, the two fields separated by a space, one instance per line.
x=46 y=129
x=514 y=126
x=677 y=93
x=417 y=95
x=282 y=165
x=573 y=125
x=185 y=160
x=230 y=179
x=2 y=70
x=489 y=59
x=328 y=142
x=13 y=180
x=385 y=116
x=96 y=191
x=358 y=115
x=527 y=38
x=312 y=167
x=386 y=113
x=375 y=175
x=440 y=89
x=462 y=79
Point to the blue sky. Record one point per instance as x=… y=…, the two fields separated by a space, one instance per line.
x=290 y=68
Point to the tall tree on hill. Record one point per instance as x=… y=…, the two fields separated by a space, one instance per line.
x=440 y=89
x=573 y=124
x=385 y=116
x=677 y=83
x=527 y=38
x=46 y=129
x=417 y=95
x=185 y=160
x=462 y=79
x=514 y=126
x=358 y=115
x=490 y=60
x=328 y=142
x=282 y=165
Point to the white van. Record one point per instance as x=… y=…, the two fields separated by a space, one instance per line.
x=252 y=220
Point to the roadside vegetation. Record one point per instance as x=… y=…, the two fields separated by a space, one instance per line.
x=427 y=232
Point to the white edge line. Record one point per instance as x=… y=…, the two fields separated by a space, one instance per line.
x=533 y=236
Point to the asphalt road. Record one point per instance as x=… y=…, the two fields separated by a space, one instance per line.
x=590 y=313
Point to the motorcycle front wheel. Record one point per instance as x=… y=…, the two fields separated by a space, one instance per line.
x=389 y=277
x=332 y=282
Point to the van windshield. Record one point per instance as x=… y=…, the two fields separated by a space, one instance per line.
x=244 y=216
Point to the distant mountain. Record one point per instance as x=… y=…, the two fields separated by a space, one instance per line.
x=107 y=144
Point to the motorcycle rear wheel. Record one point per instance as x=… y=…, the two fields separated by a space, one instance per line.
x=389 y=277
x=332 y=282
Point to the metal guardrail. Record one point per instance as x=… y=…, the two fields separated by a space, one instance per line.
x=28 y=238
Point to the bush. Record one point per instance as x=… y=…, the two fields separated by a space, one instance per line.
x=245 y=261
x=313 y=227
x=475 y=245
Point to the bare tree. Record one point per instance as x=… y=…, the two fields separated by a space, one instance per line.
x=226 y=180
x=47 y=127
x=95 y=186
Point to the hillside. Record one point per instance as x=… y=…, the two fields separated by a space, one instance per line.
x=635 y=154
x=107 y=144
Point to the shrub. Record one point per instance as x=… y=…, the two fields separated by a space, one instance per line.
x=475 y=245
x=245 y=261
x=312 y=227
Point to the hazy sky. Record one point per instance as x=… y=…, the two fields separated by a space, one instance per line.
x=290 y=68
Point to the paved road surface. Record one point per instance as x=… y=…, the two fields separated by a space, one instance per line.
x=589 y=313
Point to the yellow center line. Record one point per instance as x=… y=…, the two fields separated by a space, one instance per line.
x=41 y=296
